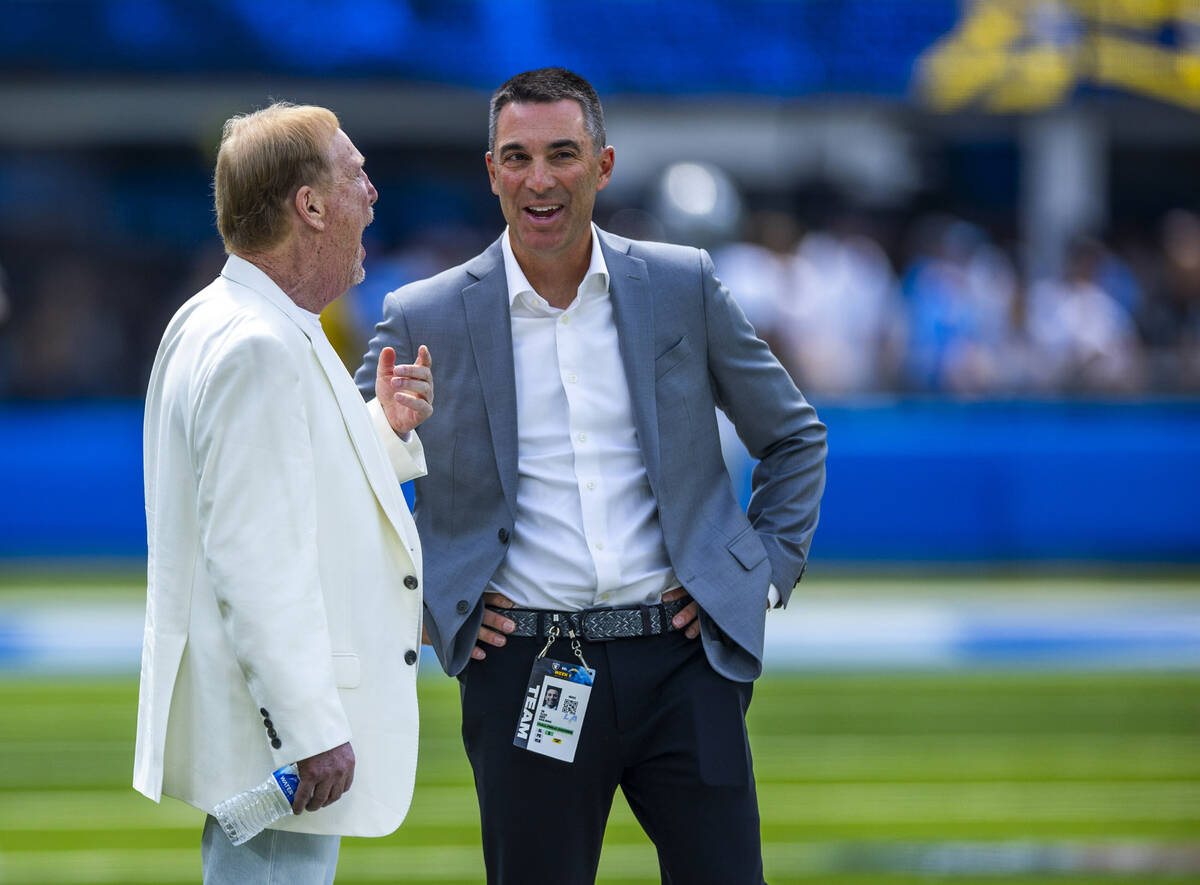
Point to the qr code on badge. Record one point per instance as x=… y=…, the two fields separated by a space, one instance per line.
x=570 y=707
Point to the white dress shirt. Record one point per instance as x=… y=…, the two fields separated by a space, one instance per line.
x=586 y=531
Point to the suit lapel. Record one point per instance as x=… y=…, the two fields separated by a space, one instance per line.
x=485 y=303
x=633 y=313
x=362 y=435
x=349 y=402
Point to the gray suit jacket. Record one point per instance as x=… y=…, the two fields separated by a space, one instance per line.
x=687 y=350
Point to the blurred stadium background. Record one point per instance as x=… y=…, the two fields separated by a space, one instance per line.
x=970 y=228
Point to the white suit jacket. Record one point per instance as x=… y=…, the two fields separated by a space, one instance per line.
x=284 y=567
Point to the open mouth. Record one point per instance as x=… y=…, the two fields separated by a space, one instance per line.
x=543 y=213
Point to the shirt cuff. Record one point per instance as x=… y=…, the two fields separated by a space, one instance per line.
x=773 y=597
x=405 y=453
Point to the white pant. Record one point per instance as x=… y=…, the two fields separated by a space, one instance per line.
x=273 y=857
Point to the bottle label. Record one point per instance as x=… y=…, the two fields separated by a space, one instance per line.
x=288 y=781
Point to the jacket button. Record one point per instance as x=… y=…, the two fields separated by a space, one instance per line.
x=267 y=723
x=271 y=733
x=264 y=712
x=410 y=581
x=462 y=608
x=502 y=535
x=276 y=743
x=410 y=657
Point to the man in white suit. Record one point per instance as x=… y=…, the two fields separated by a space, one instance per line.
x=283 y=617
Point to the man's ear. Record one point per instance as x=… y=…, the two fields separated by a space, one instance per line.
x=310 y=207
x=606 y=167
x=491 y=168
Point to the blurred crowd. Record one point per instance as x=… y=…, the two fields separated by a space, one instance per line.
x=953 y=314
x=936 y=306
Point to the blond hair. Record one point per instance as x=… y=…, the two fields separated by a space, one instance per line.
x=265 y=157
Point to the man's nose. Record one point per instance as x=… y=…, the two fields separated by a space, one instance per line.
x=539 y=179
x=371 y=192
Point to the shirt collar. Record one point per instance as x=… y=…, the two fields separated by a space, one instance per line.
x=252 y=276
x=596 y=278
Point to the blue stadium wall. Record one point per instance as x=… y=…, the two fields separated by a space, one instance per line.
x=909 y=481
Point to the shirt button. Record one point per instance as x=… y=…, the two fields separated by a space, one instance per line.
x=265 y=714
x=566 y=319
x=410 y=657
x=591 y=485
x=572 y=378
x=582 y=437
x=502 y=535
x=276 y=743
x=599 y=545
x=462 y=608
x=410 y=581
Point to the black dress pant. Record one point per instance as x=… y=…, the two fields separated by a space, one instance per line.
x=661 y=724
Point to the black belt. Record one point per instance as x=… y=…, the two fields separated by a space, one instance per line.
x=597 y=624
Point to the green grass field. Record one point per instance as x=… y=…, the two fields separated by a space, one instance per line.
x=964 y=777
x=891 y=777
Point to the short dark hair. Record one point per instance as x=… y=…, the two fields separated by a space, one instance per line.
x=544 y=86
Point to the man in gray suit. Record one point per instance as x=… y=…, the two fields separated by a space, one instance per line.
x=577 y=511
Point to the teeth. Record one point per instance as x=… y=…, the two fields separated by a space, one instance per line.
x=544 y=210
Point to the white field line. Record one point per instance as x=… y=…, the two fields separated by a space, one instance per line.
x=934 y=630
x=781 y=803
x=433 y=863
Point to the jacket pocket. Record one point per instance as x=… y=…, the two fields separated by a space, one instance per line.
x=346 y=670
x=672 y=357
x=747 y=548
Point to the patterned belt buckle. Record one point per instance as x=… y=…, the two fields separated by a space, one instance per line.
x=604 y=624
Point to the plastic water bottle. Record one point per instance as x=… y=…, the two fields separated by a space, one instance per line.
x=247 y=814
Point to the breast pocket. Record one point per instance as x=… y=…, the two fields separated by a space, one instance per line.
x=347 y=672
x=672 y=357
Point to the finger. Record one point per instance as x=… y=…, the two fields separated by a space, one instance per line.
x=387 y=362
x=497 y=621
x=412 y=370
x=303 y=793
x=413 y=373
x=478 y=653
x=491 y=637
x=349 y=781
x=335 y=791
x=672 y=595
x=498 y=600
x=415 y=403
x=320 y=796
x=415 y=386
x=686 y=615
x=423 y=357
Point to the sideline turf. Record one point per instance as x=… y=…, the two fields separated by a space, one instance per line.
x=858 y=774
